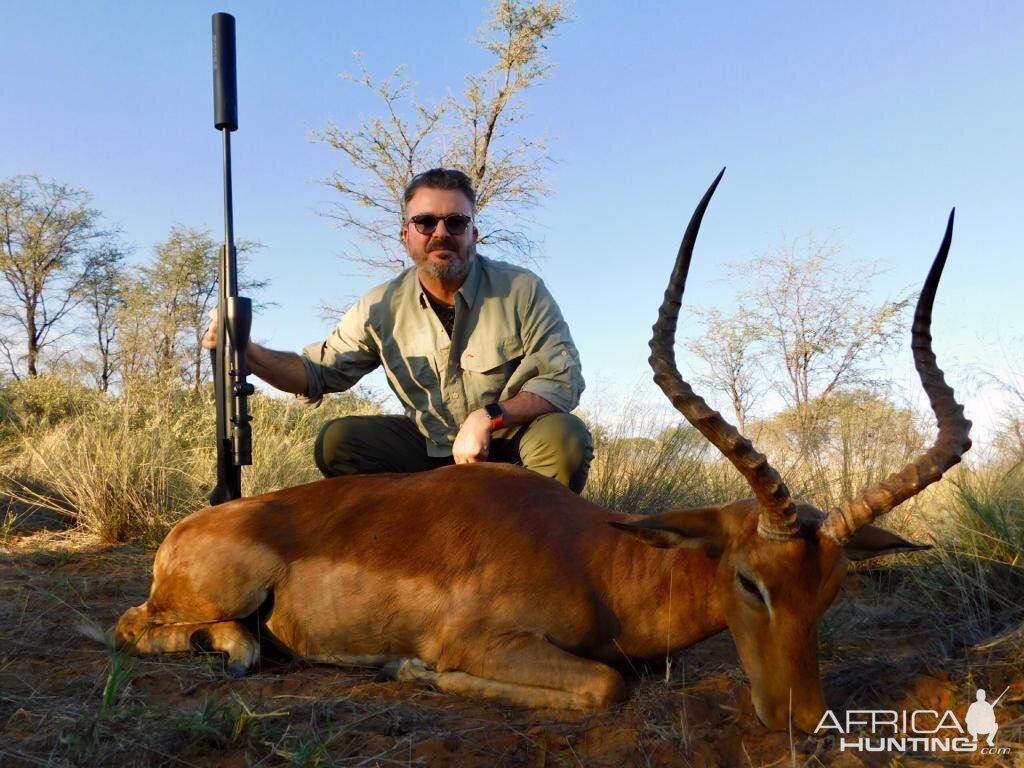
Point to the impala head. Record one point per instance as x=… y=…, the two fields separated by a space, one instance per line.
x=780 y=563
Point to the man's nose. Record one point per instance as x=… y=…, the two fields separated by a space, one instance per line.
x=441 y=232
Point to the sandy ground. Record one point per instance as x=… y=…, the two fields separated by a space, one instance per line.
x=66 y=700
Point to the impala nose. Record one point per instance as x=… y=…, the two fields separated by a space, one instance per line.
x=807 y=711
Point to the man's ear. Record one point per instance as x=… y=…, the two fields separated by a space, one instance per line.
x=870 y=541
x=700 y=527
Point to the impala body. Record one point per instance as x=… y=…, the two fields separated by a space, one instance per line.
x=489 y=580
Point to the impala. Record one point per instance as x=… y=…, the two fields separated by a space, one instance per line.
x=489 y=580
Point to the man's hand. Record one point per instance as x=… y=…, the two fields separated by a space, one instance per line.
x=473 y=442
x=282 y=370
x=209 y=341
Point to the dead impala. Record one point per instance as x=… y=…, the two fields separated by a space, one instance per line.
x=492 y=581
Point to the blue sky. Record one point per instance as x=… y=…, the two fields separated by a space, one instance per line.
x=872 y=119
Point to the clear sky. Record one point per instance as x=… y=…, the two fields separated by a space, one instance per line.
x=869 y=118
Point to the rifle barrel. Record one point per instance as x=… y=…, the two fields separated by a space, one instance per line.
x=230 y=389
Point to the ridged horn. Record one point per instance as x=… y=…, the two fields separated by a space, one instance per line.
x=952 y=442
x=778 y=514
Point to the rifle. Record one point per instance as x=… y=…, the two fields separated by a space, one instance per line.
x=234 y=321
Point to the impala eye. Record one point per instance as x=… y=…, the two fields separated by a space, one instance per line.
x=750 y=586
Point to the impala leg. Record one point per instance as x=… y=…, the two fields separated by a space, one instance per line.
x=135 y=628
x=528 y=671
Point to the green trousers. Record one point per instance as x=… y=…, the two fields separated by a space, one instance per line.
x=555 y=445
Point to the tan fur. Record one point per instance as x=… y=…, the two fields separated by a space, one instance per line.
x=520 y=591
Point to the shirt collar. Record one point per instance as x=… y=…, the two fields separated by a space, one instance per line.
x=471 y=286
x=468 y=290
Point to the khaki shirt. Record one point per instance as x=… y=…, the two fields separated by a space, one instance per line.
x=509 y=337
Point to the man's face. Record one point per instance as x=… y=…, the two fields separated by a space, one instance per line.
x=441 y=254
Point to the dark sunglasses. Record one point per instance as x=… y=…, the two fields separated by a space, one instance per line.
x=454 y=223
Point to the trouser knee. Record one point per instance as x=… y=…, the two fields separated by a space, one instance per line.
x=353 y=445
x=332 y=450
x=558 y=445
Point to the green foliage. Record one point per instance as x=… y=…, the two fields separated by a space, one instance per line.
x=229 y=724
x=30 y=405
x=50 y=244
x=120 y=675
x=165 y=308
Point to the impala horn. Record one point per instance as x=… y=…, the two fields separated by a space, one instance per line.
x=952 y=442
x=777 y=519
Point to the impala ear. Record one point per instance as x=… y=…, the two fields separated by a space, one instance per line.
x=870 y=541
x=680 y=528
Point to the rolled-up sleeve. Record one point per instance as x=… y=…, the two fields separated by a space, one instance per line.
x=344 y=357
x=550 y=367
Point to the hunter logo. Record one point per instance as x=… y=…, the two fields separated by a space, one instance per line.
x=981 y=718
x=919 y=730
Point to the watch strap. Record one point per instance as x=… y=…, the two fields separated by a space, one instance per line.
x=496 y=415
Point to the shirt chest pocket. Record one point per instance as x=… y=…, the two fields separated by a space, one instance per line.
x=487 y=368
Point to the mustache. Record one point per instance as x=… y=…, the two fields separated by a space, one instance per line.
x=442 y=244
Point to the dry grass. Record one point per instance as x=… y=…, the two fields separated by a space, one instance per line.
x=92 y=483
x=283 y=434
x=126 y=469
x=670 y=466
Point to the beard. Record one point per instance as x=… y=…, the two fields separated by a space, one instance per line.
x=455 y=268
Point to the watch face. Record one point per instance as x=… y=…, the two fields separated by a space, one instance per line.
x=493 y=410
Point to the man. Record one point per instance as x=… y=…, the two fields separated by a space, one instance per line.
x=476 y=350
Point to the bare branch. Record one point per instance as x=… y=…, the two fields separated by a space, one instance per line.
x=477 y=133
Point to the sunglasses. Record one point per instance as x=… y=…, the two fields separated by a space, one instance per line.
x=454 y=223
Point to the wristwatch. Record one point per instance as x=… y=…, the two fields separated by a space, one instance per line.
x=496 y=415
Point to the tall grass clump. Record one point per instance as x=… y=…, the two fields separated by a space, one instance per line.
x=127 y=467
x=648 y=465
x=121 y=468
x=979 y=554
x=990 y=513
x=284 y=431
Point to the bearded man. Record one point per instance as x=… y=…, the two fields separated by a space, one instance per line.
x=475 y=349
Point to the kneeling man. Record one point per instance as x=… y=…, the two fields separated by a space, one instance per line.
x=476 y=350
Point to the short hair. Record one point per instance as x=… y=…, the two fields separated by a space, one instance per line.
x=441 y=178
